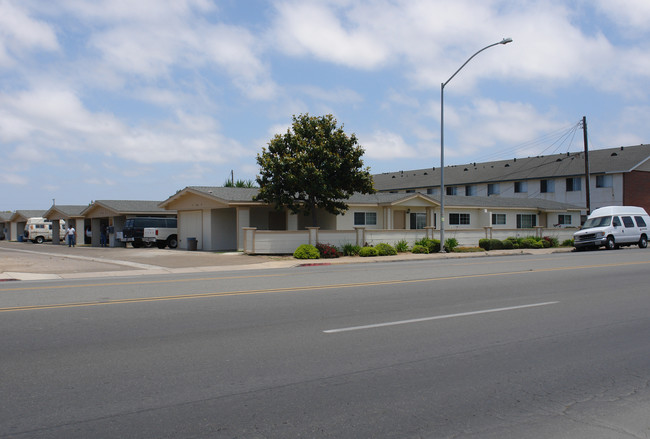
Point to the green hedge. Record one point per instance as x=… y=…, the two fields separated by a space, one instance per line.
x=306 y=251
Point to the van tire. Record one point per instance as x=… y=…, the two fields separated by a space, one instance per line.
x=643 y=242
x=41 y=240
x=172 y=241
x=610 y=244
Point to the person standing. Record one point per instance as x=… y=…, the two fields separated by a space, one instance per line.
x=71 y=235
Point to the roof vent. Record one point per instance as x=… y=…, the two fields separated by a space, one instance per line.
x=507 y=165
x=465 y=169
x=393 y=176
x=558 y=160
x=426 y=173
x=614 y=154
x=515 y=159
x=622 y=148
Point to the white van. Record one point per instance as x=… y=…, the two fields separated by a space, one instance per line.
x=39 y=230
x=614 y=226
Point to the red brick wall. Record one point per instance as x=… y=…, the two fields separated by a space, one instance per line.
x=636 y=189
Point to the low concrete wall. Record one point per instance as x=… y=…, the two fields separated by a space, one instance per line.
x=286 y=242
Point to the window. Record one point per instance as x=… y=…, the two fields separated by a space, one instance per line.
x=521 y=187
x=365 y=218
x=628 y=221
x=573 y=184
x=451 y=190
x=604 y=181
x=493 y=189
x=616 y=222
x=410 y=191
x=432 y=191
x=526 y=220
x=564 y=219
x=470 y=191
x=639 y=221
x=498 y=219
x=457 y=219
x=547 y=186
x=418 y=220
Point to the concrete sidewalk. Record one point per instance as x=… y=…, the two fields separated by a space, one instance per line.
x=27 y=261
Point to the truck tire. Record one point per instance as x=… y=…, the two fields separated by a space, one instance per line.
x=39 y=240
x=643 y=242
x=610 y=244
x=161 y=244
x=172 y=241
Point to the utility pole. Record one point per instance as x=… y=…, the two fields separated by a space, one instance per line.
x=584 y=135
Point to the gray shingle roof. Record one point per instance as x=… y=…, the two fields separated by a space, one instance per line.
x=612 y=160
x=27 y=214
x=129 y=207
x=68 y=210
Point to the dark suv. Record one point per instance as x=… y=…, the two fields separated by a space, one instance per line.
x=134 y=228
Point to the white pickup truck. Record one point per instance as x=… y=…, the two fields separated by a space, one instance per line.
x=160 y=237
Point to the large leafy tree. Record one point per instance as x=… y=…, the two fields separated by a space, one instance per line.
x=313 y=165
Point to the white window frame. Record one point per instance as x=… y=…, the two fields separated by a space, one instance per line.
x=531 y=220
x=498 y=219
x=564 y=219
x=521 y=187
x=369 y=219
x=604 y=180
x=493 y=189
x=463 y=219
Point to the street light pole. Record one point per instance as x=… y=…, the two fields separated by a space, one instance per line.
x=442 y=141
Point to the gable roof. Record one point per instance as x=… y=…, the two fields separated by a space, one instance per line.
x=601 y=161
x=66 y=211
x=127 y=207
x=225 y=195
x=17 y=215
x=455 y=201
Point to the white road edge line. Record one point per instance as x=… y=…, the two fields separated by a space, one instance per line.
x=425 y=319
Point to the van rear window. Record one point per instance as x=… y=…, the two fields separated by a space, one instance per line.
x=639 y=221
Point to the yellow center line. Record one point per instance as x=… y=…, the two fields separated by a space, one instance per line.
x=143 y=282
x=304 y=288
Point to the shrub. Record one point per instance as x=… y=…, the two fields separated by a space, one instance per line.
x=451 y=244
x=327 y=250
x=384 y=249
x=553 y=241
x=306 y=251
x=567 y=243
x=468 y=249
x=508 y=244
x=367 y=251
x=351 y=250
x=484 y=243
x=417 y=248
x=401 y=246
x=433 y=245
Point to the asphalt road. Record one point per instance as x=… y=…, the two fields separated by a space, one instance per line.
x=551 y=346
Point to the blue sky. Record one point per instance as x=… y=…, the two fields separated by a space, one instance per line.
x=117 y=99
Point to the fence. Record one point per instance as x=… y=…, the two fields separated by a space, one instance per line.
x=286 y=242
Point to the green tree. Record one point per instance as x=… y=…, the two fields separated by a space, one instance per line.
x=313 y=165
x=239 y=183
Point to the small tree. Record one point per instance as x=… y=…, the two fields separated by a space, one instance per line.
x=313 y=165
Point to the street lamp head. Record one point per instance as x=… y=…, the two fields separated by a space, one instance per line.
x=506 y=41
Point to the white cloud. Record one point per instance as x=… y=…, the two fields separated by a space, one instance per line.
x=313 y=28
x=629 y=15
x=501 y=123
x=384 y=145
x=19 y=32
x=54 y=120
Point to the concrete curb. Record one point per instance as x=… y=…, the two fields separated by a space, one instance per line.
x=139 y=269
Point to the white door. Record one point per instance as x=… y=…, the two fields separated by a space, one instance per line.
x=190 y=225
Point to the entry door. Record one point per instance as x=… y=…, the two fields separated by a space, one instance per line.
x=190 y=225
x=399 y=220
